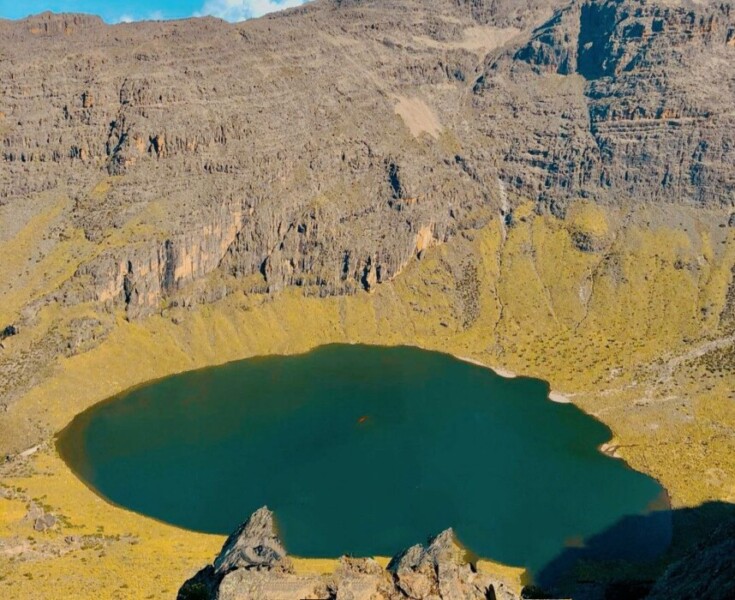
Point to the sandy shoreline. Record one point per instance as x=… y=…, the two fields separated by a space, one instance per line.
x=498 y=371
x=610 y=449
x=554 y=396
x=559 y=397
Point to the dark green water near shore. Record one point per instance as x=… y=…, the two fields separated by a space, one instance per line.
x=366 y=450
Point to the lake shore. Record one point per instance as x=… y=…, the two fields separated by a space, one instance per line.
x=497 y=370
x=554 y=396
x=295 y=397
x=559 y=398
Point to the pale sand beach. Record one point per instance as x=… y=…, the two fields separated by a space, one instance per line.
x=502 y=372
x=559 y=397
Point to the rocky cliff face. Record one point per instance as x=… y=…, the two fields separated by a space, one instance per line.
x=708 y=571
x=644 y=118
x=326 y=146
x=253 y=566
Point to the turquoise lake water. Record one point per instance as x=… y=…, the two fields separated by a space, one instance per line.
x=366 y=450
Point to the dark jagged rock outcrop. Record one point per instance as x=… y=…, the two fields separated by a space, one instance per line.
x=8 y=331
x=252 y=565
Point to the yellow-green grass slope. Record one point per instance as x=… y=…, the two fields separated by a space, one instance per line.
x=630 y=331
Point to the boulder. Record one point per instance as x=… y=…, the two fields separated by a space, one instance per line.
x=442 y=571
x=44 y=522
x=8 y=331
x=254 y=545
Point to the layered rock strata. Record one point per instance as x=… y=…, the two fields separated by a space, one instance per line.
x=327 y=146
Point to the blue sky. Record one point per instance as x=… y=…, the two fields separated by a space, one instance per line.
x=116 y=11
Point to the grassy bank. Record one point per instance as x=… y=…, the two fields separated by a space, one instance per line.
x=628 y=327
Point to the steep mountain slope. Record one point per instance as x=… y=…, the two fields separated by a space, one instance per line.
x=275 y=147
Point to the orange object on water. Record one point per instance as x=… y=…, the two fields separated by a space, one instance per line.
x=362 y=419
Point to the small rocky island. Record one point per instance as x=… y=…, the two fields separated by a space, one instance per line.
x=253 y=565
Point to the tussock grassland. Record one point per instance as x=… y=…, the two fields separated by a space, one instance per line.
x=619 y=310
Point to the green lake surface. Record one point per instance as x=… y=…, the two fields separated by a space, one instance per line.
x=367 y=450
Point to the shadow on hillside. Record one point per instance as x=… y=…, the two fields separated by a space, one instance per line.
x=622 y=562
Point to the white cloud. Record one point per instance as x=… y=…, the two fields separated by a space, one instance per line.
x=155 y=15
x=239 y=10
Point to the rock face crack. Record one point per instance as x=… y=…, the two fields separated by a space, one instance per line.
x=395 y=181
x=168 y=280
x=596 y=55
